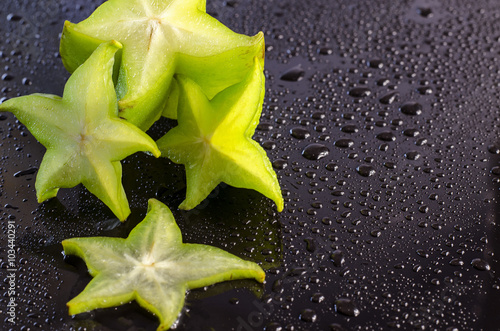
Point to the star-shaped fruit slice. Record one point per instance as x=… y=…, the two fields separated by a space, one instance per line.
x=213 y=139
x=84 y=137
x=160 y=38
x=152 y=266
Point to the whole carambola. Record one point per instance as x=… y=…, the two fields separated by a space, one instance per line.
x=160 y=39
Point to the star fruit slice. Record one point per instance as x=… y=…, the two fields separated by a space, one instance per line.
x=213 y=139
x=84 y=137
x=152 y=266
x=161 y=38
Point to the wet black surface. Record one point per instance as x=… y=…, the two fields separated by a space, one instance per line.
x=382 y=122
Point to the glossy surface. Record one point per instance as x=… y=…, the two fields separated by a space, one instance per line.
x=411 y=241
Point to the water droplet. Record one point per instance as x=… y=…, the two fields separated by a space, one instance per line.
x=413 y=155
x=365 y=170
x=344 y=143
x=230 y=3
x=264 y=127
x=425 y=90
x=280 y=164
x=411 y=108
x=411 y=133
x=337 y=258
x=318 y=115
x=346 y=307
x=435 y=281
x=422 y=253
x=317 y=297
x=376 y=64
x=331 y=166
x=300 y=133
x=493 y=149
x=397 y=122
x=269 y=145
x=360 y=92
x=30 y=171
x=456 y=262
x=433 y=196
x=277 y=286
x=310 y=244
x=308 y=315
x=295 y=272
x=384 y=147
x=315 y=151
x=7 y=77
x=325 y=51
x=386 y=136
x=349 y=129
x=480 y=264
x=425 y=12
x=383 y=82
x=336 y=327
x=390 y=165
x=495 y=171
x=320 y=128
x=274 y=326
x=421 y=142
x=14 y=17
x=294 y=74
x=389 y=98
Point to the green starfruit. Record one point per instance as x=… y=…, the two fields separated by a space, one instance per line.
x=152 y=266
x=84 y=137
x=160 y=39
x=213 y=139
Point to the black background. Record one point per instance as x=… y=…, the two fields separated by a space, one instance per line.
x=400 y=230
